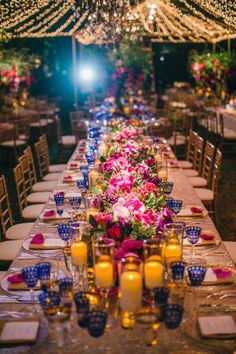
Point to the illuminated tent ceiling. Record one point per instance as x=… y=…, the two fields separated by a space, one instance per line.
x=161 y=20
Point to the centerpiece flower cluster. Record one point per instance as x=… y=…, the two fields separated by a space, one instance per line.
x=133 y=200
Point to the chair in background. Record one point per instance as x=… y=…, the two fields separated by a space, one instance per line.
x=188 y=163
x=67 y=143
x=37 y=186
x=78 y=126
x=231 y=249
x=32 y=198
x=10 y=249
x=209 y=196
x=14 y=145
x=205 y=180
x=180 y=130
x=43 y=163
x=51 y=168
x=27 y=212
x=9 y=230
x=197 y=160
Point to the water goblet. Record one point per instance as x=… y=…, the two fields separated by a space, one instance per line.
x=96 y=322
x=84 y=168
x=173 y=314
x=59 y=200
x=178 y=271
x=193 y=234
x=74 y=203
x=161 y=295
x=90 y=158
x=167 y=187
x=174 y=205
x=65 y=285
x=44 y=272
x=81 y=183
x=196 y=275
x=86 y=179
x=30 y=277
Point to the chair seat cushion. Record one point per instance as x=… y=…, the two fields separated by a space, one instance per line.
x=198 y=182
x=10 y=143
x=206 y=195
x=38 y=124
x=68 y=140
x=180 y=140
x=38 y=197
x=231 y=249
x=46 y=121
x=52 y=176
x=229 y=133
x=190 y=173
x=31 y=212
x=44 y=186
x=185 y=164
x=10 y=249
x=19 y=231
x=57 y=168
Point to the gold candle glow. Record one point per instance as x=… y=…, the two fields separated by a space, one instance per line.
x=103 y=274
x=79 y=253
x=131 y=291
x=153 y=274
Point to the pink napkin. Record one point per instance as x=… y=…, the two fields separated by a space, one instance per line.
x=81 y=149
x=59 y=193
x=67 y=178
x=49 y=213
x=79 y=157
x=207 y=237
x=15 y=278
x=166 y=154
x=173 y=163
x=196 y=210
x=222 y=273
x=38 y=239
x=73 y=165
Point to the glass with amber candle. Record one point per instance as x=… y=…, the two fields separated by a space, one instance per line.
x=91 y=206
x=103 y=261
x=162 y=170
x=174 y=242
x=153 y=264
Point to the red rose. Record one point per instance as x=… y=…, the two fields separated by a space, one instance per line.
x=114 y=232
x=150 y=161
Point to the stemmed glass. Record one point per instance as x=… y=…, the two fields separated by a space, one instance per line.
x=65 y=232
x=167 y=187
x=80 y=184
x=86 y=179
x=103 y=260
x=74 y=204
x=30 y=277
x=59 y=200
x=174 y=205
x=193 y=234
x=44 y=272
x=196 y=275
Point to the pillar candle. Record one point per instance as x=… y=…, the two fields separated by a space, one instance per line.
x=93 y=176
x=131 y=291
x=153 y=274
x=163 y=174
x=79 y=253
x=104 y=274
x=173 y=253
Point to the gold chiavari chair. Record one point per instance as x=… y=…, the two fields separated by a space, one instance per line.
x=10 y=231
x=209 y=196
x=188 y=163
x=51 y=168
x=66 y=143
x=27 y=212
x=205 y=180
x=180 y=129
x=37 y=186
x=78 y=126
x=197 y=159
x=43 y=163
x=32 y=198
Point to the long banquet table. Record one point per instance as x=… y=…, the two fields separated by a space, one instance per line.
x=115 y=340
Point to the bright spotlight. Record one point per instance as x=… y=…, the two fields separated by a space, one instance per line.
x=86 y=74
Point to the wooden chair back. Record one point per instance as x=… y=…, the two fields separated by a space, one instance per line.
x=198 y=153
x=30 y=159
x=23 y=161
x=216 y=171
x=41 y=158
x=20 y=187
x=44 y=141
x=208 y=162
x=5 y=209
x=58 y=130
x=191 y=146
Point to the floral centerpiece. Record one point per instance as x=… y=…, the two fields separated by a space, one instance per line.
x=134 y=203
x=210 y=72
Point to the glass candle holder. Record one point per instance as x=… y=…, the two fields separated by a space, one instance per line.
x=131 y=284
x=173 y=314
x=96 y=322
x=93 y=177
x=82 y=304
x=162 y=170
x=196 y=275
x=79 y=256
x=103 y=260
x=153 y=263
x=174 y=242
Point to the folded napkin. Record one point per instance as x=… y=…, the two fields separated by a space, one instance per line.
x=196 y=210
x=73 y=165
x=218 y=276
x=59 y=193
x=66 y=178
x=81 y=149
x=15 y=278
x=49 y=213
x=38 y=239
x=207 y=237
x=173 y=164
x=222 y=273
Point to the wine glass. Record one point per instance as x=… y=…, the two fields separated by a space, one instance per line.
x=30 y=277
x=196 y=275
x=174 y=205
x=177 y=269
x=193 y=234
x=74 y=204
x=80 y=182
x=86 y=179
x=59 y=200
x=44 y=272
x=167 y=187
x=82 y=304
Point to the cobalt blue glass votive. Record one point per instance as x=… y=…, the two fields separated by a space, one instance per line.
x=64 y=231
x=176 y=205
x=81 y=302
x=84 y=168
x=65 y=284
x=49 y=299
x=196 y=275
x=178 y=270
x=90 y=159
x=167 y=187
x=193 y=233
x=59 y=199
x=44 y=270
x=96 y=322
x=86 y=179
x=30 y=276
x=173 y=314
x=80 y=183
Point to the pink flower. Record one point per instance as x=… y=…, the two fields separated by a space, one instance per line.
x=134 y=205
x=146 y=188
x=103 y=217
x=120 y=211
x=114 y=232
